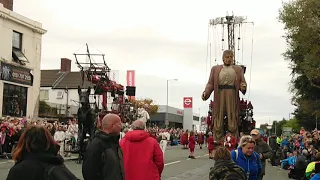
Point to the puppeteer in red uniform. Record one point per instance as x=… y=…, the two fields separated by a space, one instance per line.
x=184 y=139
x=230 y=141
x=210 y=141
x=192 y=145
x=200 y=139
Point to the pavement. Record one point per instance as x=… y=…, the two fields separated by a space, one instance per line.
x=177 y=166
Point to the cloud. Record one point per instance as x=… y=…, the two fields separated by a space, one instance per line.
x=166 y=40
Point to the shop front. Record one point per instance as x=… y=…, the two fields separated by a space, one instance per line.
x=16 y=82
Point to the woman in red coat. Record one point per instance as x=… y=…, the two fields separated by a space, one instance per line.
x=210 y=145
x=185 y=139
x=192 y=145
x=200 y=139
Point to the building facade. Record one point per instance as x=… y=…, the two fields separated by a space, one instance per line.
x=20 y=59
x=59 y=89
x=175 y=118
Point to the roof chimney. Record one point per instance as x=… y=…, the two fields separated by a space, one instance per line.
x=65 y=65
x=7 y=4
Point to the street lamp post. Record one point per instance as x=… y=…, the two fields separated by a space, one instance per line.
x=168 y=97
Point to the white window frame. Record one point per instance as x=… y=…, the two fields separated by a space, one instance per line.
x=44 y=94
x=60 y=95
x=18 y=35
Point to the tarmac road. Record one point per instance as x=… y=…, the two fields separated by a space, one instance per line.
x=177 y=166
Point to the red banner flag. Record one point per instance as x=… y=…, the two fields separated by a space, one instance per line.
x=131 y=80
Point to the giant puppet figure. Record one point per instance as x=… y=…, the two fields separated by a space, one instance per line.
x=226 y=81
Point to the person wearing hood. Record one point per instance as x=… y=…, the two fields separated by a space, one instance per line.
x=35 y=156
x=103 y=156
x=224 y=167
x=143 y=151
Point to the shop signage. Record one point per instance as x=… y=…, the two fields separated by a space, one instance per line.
x=187 y=102
x=16 y=74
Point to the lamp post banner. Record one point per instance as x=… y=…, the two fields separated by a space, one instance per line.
x=131 y=80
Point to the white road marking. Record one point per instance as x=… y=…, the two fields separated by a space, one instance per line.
x=6 y=162
x=206 y=155
x=170 y=163
x=198 y=156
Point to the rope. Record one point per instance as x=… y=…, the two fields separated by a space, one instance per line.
x=251 y=62
x=210 y=51
x=222 y=37
x=239 y=39
x=243 y=39
x=79 y=48
x=218 y=43
x=208 y=39
x=215 y=46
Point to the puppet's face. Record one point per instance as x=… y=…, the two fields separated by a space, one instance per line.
x=227 y=59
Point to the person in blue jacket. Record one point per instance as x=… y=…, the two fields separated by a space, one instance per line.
x=247 y=158
x=290 y=161
x=285 y=142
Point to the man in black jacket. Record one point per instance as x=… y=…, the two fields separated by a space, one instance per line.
x=103 y=156
x=274 y=147
x=263 y=149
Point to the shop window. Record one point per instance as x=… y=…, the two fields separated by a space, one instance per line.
x=14 y=100
x=17 y=54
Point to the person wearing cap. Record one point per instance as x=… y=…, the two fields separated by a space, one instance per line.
x=263 y=149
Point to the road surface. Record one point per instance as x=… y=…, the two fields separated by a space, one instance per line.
x=177 y=166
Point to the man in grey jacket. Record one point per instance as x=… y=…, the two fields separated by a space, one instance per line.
x=261 y=148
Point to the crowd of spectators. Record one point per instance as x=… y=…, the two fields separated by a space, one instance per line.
x=297 y=153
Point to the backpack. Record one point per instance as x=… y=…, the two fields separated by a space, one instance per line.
x=227 y=173
x=61 y=172
x=57 y=172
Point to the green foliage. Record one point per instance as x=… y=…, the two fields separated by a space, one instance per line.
x=301 y=19
x=263 y=126
x=148 y=104
x=45 y=109
x=294 y=124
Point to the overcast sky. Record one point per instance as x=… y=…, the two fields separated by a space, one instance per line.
x=168 y=39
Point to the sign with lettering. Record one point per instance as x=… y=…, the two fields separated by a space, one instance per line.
x=16 y=74
x=187 y=102
x=180 y=112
